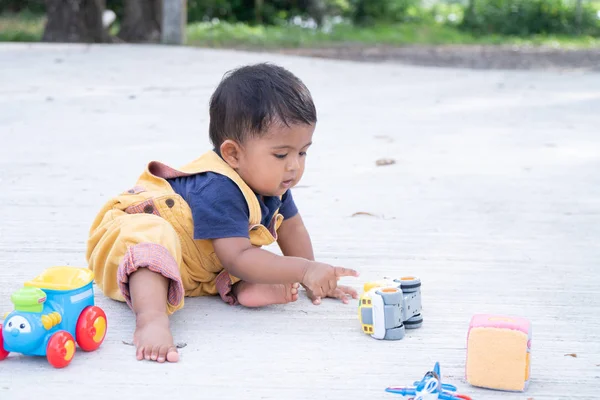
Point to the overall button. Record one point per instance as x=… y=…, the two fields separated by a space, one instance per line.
x=170 y=203
x=148 y=209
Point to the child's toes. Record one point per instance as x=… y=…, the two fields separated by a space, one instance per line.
x=155 y=352
x=172 y=354
x=162 y=353
x=148 y=353
x=139 y=353
x=144 y=352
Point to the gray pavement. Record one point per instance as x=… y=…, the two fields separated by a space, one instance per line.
x=494 y=202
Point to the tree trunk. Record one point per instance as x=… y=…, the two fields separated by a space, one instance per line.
x=75 y=21
x=141 y=21
x=174 y=20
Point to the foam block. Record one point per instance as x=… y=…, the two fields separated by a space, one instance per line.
x=499 y=352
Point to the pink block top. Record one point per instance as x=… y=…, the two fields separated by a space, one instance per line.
x=501 y=322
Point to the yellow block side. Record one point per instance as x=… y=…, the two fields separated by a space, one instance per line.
x=497 y=358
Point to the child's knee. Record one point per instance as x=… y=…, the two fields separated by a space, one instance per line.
x=155 y=258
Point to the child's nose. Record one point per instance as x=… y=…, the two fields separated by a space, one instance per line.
x=294 y=164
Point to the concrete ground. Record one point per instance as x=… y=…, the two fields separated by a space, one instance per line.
x=493 y=201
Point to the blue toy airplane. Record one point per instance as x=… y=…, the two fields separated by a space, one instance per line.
x=430 y=388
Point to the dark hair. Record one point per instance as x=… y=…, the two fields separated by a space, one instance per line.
x=251 y=98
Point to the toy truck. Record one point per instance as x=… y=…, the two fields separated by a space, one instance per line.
x=52 y=312
x=389 y=306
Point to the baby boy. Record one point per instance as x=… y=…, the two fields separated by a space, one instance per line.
x=198 y=230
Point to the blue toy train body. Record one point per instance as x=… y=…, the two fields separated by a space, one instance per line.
x=52 y=313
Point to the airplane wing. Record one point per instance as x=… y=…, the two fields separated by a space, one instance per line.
x=401 y=390
x=450 y=396
x=448 y=387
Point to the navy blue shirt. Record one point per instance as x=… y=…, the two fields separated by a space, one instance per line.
x=219 y=208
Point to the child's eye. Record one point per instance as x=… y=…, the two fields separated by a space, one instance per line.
x=280 y=156
x=302 y=153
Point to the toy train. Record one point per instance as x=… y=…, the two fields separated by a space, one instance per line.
x=389 y=306
x=52 y=312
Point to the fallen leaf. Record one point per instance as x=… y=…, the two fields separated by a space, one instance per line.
x=363 y=213
x=179 y=345
x=385 y=161
x=571 y=355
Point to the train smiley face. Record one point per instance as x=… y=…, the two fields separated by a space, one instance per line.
x=23 y=332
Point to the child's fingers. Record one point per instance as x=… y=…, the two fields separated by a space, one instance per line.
x=340 y=294
x=341 y=271
x=316 y=300
x=349 y=291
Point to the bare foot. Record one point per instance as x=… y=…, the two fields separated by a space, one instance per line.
x=153 y=338
x=261 y=294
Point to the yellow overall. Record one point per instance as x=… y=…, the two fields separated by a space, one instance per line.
x=151 y=226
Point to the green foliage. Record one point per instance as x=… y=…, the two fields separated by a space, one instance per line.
x=232 y=10
x=529 y=17
x=22 y=27
x=444 y=13
x=368 y=12
x=17 y=6
x=524 y=18
x=272 y=12
x=28 y=28
x=225 y=34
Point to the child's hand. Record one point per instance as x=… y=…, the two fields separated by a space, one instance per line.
x=340 y=292
x=320 y=280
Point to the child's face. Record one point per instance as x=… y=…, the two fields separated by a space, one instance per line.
x=274 y=162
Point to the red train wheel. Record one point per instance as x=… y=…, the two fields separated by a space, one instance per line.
x=61 y=349
x=3 y=353
x=91 y=328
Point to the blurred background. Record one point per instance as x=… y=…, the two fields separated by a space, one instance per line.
x=308 y=23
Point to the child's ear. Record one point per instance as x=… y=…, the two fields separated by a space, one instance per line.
x=230 y=151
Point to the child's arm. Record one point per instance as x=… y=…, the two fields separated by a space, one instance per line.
x=255 y=265
x=294 y=241
x=293 y=238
